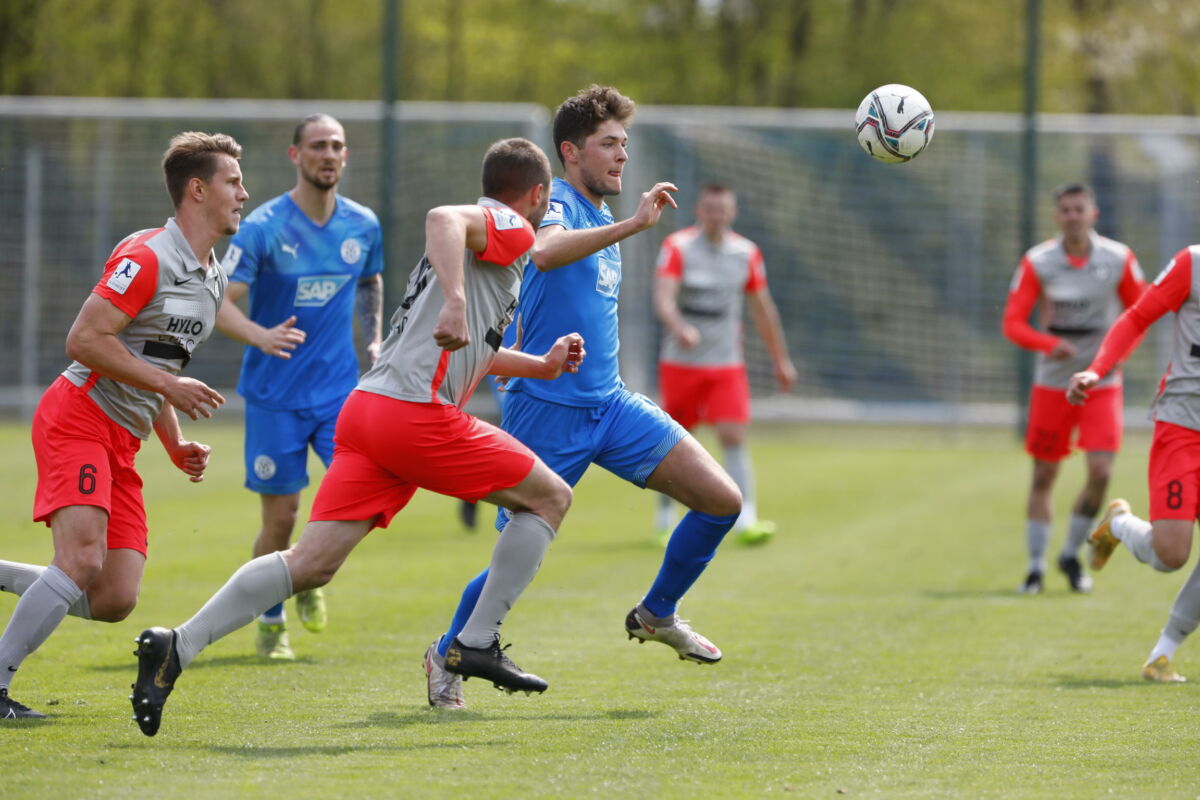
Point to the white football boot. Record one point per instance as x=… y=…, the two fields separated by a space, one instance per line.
x=690 y=645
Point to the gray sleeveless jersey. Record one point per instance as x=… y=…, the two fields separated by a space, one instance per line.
x=713 y=280
x=411 y=366
x=180 y=314
x=1178 y=402
x=1079 y=304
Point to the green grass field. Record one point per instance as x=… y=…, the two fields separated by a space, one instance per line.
x=875 y=648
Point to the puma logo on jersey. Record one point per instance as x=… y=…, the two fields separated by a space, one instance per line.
x=317 y=290
x=293 y=249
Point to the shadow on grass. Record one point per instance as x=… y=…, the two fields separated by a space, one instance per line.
x=970 y=594
x=1083 y=682
x=244 y=660
x=427 y=716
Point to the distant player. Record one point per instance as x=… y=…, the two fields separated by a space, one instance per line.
x=703 y=273
x=309 y=259
x=156 y=302
x=1082 y=281
x=1174 y=473
x=404 y=428
x=572 y=283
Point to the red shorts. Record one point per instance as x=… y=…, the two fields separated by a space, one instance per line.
x=704 y=395
x=1053 y=421
x=1174 y=472
x=385 y=449
x=86 y=459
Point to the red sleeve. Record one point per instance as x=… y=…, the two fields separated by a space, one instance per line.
x=509 y=236
x=1023 y=294
x=130 y=277
x=670 y=260
x=1169 y=292
x=1133 y=282
x=757 y=279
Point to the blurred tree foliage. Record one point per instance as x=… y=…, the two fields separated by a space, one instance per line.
x=1134 y=56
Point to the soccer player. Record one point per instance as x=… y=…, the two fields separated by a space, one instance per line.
x=703 y=272
x=1082 y=281
x=404 y=428
x=137 y=330
x=571 y=283
x=1174 y=472
x=309 y=259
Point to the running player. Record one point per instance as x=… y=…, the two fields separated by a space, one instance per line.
x=571 y=283
x=308 y=258
x=1174 y=473
x=156 y=302
x=703 y=272
x=404 y=428
x=1082 y=281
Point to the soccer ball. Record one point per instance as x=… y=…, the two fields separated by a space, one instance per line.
x=894 y=123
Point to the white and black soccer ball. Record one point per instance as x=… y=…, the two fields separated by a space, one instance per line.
x=894 y=123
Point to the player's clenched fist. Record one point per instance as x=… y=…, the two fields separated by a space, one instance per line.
x=191 y=458
x=193 y=397
x=450 y=333
x=565 y=356
x=1081 y=383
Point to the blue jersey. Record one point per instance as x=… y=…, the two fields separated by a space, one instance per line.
x=295 y=267
x=579 y=297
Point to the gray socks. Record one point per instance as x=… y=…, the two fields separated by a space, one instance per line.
x=38 y=612
x=515 y=561
x=1077 y=530
x=1037 y=538
x=1185 y=613
x=17 y=578
x=737 y=463
x=254 y=588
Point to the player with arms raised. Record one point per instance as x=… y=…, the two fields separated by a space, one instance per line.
x=404 y=428
x=308 y=258
x=1082 y=280
x=1174 y=473
x=156 y=302
x=572 y=283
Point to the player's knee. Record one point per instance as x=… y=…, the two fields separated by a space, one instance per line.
x=723 y=502
x=1172 y=555
x=82 y=566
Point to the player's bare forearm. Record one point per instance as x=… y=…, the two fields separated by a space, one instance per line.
x=368 y=302
x=515 y=364
x=566 y=355
x=770 y=326
x=166 y=426
x=556 y=246
x=233 y=322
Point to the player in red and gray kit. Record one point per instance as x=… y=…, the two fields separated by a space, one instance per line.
x=138 y=329
x=703 y=273
x=403 y=428
x=1082 y=281
x=1174 y=473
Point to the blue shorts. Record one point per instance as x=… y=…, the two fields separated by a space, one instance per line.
x=628 y=435
x=277 y=441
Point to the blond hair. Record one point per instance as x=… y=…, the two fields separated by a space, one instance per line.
x=193 y=154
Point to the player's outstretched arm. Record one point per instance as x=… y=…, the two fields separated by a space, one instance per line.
x=556 y=246
x=566 y=355
x=93 y=342
x=368 y=302
x=770 y=328
x=449 y=231
x=278 y=341
x=190 y=457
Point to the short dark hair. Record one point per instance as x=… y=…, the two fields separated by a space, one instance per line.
x=579 y=116
x=511 y=167
x=298 y=134
x=1077 y=187
x=716 y=188
x=193 y=154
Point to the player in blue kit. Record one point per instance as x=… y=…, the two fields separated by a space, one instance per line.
x=571 y=284
x=309 y=259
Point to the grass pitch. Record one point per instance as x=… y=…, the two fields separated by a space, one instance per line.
x=875 y=648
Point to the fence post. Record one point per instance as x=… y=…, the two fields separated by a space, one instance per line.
x=30 y=283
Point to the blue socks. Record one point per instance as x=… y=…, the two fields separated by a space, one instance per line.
x=273 y=615
x=466 y=605
x=692 y=546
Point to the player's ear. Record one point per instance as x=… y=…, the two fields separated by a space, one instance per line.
x=570 y=153
x=196 y=188
x=294 y=154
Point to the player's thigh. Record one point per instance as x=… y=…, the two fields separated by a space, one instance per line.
x=1102 y=420
x=276 y=450
x=540 y=492
x=1174 y=474
x=114 y=592
x=690 y=475
x=1052 y=421
x=635 y=435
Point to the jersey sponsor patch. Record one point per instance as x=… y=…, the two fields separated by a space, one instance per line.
x=554 y=214
x=608 y=276
x=232 y=256
x=351 y=251
x=123 y=275
x=317 y=290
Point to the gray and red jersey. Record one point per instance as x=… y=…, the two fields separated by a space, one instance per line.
x=712 y=281
x=172 y=300
x=1177 y=289
x=411 y=366
x=1080 y=299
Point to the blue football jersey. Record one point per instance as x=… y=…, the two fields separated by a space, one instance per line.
x=295 y=267
x=578 y=297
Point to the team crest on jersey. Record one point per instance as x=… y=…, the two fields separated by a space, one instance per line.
x=351 y=251
x=232 y=256
x=317 y=290
x=608 y=276
x=264 y=467
x=1100 y=272
x=123 y=275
